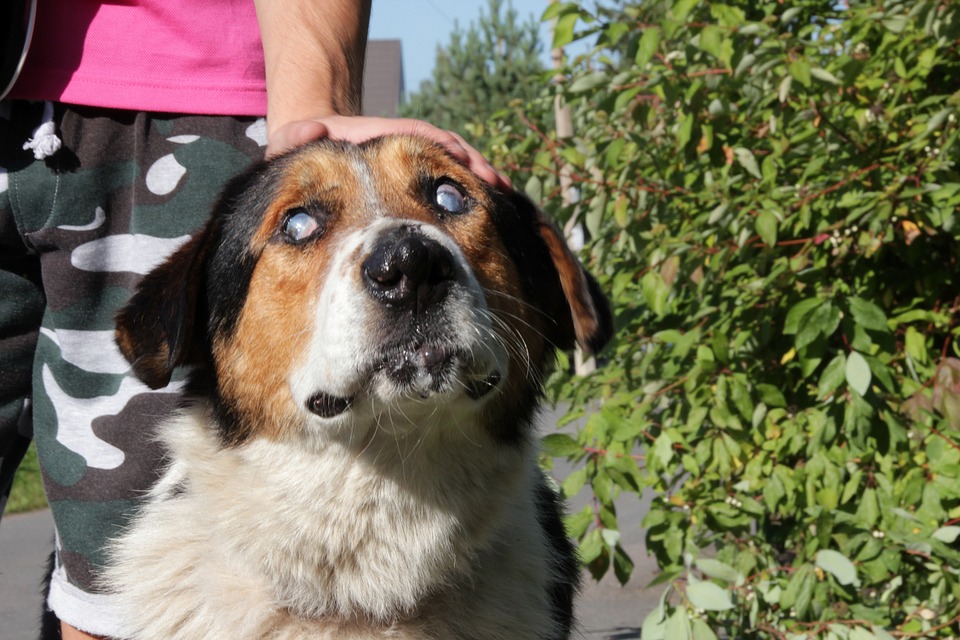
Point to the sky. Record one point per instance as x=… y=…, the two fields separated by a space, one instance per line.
x=421 y=25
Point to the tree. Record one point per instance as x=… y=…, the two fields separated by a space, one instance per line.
x=771 y=190
x=479 y=73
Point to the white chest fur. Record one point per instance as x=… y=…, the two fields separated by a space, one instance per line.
x=394 y=539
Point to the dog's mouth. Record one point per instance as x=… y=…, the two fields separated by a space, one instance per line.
x=420 y=369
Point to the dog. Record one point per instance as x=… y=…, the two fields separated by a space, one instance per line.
x=367 y=329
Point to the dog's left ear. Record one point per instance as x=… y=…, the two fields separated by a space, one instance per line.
x=589 y=309
x=156 y=330
x=577 y=310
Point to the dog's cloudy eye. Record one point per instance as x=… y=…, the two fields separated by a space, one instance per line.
x=300 y=225
x=449 y=198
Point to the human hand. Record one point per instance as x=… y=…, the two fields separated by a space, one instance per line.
x=357 y=129
x=71 y=633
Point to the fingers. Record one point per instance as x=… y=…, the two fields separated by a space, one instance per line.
x=70 y=633
x=294 y=134
x=358 y=129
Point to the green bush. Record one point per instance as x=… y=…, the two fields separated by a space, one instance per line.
x=769 y=192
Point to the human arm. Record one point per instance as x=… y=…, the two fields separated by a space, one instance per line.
x=314 y=55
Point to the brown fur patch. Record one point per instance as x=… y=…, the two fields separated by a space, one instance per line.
x=276 y=323
x=401 y=165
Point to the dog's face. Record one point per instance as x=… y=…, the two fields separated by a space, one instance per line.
x=339 y=284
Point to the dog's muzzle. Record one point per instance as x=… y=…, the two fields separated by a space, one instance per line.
x=423 y=333
x=409 y=272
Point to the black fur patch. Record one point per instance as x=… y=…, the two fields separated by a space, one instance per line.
x=562 y=591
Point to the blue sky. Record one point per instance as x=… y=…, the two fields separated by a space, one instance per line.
x=423 y=24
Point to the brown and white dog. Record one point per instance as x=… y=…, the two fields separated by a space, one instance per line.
x=368 y=328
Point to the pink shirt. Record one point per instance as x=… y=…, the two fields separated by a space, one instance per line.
x=177 y=56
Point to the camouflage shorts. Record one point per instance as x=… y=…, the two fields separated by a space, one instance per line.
x=77 y=231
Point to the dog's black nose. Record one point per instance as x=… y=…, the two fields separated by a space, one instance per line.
x=409 y=271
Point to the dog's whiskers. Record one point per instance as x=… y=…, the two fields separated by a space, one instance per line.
x=513 y=341
x=518 y=301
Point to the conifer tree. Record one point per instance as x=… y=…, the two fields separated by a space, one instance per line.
x=482 y=70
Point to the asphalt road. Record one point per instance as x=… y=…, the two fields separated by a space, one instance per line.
x=606 y=610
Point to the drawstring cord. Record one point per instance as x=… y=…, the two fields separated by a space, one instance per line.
x=44 y=142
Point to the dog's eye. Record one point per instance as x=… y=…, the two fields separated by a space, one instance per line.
x=299 y=225
x=449 y=198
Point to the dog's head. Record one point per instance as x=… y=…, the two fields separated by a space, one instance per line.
x=338 y=284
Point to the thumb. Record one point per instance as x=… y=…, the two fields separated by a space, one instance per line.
x=294 y=134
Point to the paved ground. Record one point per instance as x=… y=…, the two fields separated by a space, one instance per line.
x=606 y=610
x=25 y=543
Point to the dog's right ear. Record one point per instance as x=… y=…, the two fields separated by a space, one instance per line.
x=156 y=330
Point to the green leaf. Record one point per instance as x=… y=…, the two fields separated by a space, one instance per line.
x=702 y=631
x=574 y=482
x=563 y=29
x=771 y=395
x=916 y=346
x=822 y=322
x=790 y=14
x=896 y=24
x=586 y=83
x=685 y=129
x=832 y=376
x=663 y=449
x=798 y=313
x=858 y=373
x=800 y=70
x=577 y=523
x=615 y=32
x=710 y=40
x=560 y=445
x=677 y=626
x=655 y=292
x=937 y=119
x=614 y=152
x=880 y=633
x=534 y=188
x=610 y=536
x=653 y=627
x=554 y=9
x=745 y=63
x=719 y=570
x=717 y=213
x=682 y=8
x=824 y=76
x=783 y=92
x=709 y=596
x=622 y=565
x=899 y=67
x=746 y=160
x=868 y=509
x=868 y=315
x=647 y=47
x=592 y=546
x=767 y=227
x=839 y=566
x=620 y=212
x=948 y=534
x=861 y=633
